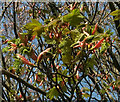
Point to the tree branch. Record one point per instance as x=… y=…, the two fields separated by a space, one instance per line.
x=115 y=62
x=5 y=72
x=14 y=18
x=4 y=11
x=96 y=9
x=112 y=7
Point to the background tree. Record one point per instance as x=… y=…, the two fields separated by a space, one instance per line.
x=60 y=51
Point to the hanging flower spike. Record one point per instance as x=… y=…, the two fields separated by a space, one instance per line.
x=39 y=58
x=24 y=60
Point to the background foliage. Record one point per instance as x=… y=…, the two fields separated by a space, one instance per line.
x=60 y=51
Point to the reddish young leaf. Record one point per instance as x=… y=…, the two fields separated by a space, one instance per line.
x=12 y=49
x=74 y=6
x=95 y=29
x=99 y=43
x=22 y=44
x=62 y=83
x=33 y=56
x=50 y=35
x=41 y=83
x=20 y=95
x=14 y=45
x=81 y=44
x=59 y=51
x=24 y=60
x=107 y=39
x=82 y=8
x=39 y=58
x=4 y=42
x=37 y=78
x=31 y=80
x=20 y=36
x=113 y=87
x=77 y=75
x=32 y=38
x=25 y=39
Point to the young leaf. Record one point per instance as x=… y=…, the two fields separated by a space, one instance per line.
x=115 y=13
x=104 y=47
x=74 y=18
x=98 y=44
x=24 y=60
x=95 y=29
x=52 y=92
x=41 y=55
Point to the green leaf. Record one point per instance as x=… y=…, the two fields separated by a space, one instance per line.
x=118 y=25
x=36 y=22
x=104 y=47
x=64 y=72
x=102 y=91
x=76 y=43
x=91 y=62
x=39 y=30
x=52 y=93
x=100 y=29
x=105 y=84
x=74 y=18
x=66 y=50
x=86 y=89
x=54 y=22
x=58 y=78
x=86 y=95
x=117 y=17
x=48 y=40
x=115 y=13
x=90 y=38
x=4 y=50
x=32 y=25
x=25 y=51
x=109 y=32
x=3 y=37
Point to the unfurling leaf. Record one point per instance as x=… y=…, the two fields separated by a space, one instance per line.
x=52 y=92
x=32 y=55
x=115 y=13
x=24 y=60
x=74 y=18
x=95 y=29
x=98 y=44
x=40 y=56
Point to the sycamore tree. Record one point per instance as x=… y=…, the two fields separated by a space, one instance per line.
x=60 y=51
